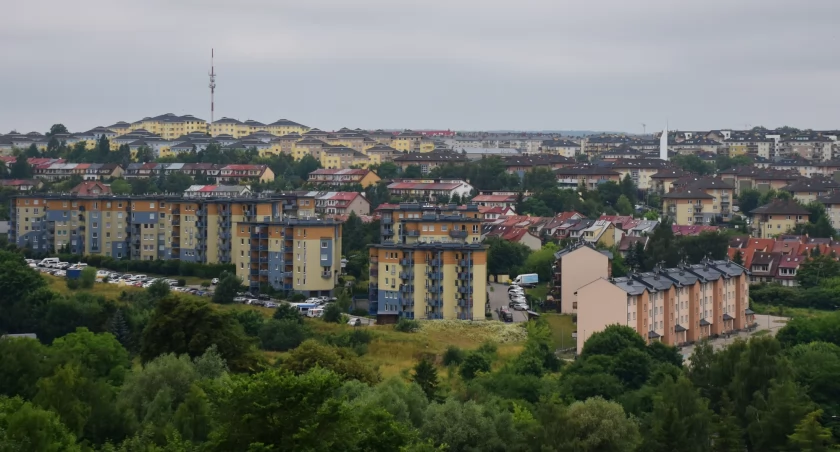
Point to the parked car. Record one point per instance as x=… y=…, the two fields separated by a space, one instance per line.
x=214 y=281
x=239 y=299
x=355 y=322
x=520 y=307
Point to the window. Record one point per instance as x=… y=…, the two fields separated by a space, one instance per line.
x=324 y=244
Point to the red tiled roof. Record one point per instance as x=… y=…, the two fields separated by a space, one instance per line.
x=692 y=229
x=422 y=186
x=494 y=198
x=791 y=262
x=344 y=196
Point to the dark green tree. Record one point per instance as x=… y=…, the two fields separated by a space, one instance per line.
x=817 y=269
x=412 y=172
x=57 y=129
x=226 y=290
x=681 y=419
x=474 y=363
x=21 y=169
x=282 y=335
x=425 y=375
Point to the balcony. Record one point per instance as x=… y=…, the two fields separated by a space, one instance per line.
x=413 y=233
x=176 y=222
x=406 y=301
x=464 y=303
x=465 y=289
x=433 y=262
x=407 y=288
x=387 y=219
x=435 y=276
x=201 y=212
x=434 y=316
x=435 y=289
x=288 y=249
x=286 y=275
x=199 y=224
x=406 y=275
x=326 y=274
x=176 y=211
x=458 y=234
x=405 y=262
x=465 y=263
x=225 y=235
x=437 y=303
x=465 y=276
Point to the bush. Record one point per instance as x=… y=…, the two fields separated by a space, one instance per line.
x=488 y=349
x=73 y=284
x=332 y=313
x=453 y=356
x=205 y=284
x=282 y=335
x=297 y=297
x=355 y=339
x=473 y=364
x=88 y=278
x=182 y=282
x=286 y=311
x=407 y=326
x=359 y=312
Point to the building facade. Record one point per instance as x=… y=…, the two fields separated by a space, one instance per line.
x=429 y=264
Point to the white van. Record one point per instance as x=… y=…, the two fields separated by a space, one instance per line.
x=315 y=313
x=48 y=261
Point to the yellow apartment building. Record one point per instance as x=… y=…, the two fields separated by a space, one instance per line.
x=341 y=157
x=430 y=264
x=689 y=207
x=171 y=126
x=408 y=141
x=778 y=217
x=832 y=208
x=294 y=256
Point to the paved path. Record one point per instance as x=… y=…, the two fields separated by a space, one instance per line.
x=765 y=322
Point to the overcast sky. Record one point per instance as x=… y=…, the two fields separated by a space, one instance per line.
x=448 y=64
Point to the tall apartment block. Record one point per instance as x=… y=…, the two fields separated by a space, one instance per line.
x=140 y=227
x=429 y=264
x=673 y=305
x=301 y=256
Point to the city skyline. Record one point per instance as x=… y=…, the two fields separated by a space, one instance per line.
x=456 y=65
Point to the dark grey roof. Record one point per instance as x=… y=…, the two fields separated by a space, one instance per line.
x=704 y=322
x=727 y=317
x=653 y=335
x=679 y=328
x=575 y=245
x=781 y=207
x=687 y=194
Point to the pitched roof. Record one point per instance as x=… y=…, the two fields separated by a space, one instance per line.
x=781 y=207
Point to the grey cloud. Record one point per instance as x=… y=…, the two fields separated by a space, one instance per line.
x=461 y=64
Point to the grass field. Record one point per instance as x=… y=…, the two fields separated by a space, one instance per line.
x=782 y=311
x=391 y=352
x=561 y=329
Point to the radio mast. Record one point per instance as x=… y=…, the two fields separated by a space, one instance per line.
x=212 y=87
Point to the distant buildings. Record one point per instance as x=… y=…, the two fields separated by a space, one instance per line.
x=343 y=177
x=429 y=190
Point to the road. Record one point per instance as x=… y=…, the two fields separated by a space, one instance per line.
x=498 y=298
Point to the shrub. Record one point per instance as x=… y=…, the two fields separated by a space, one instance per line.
x=282 y=335
x=488 y=349
x=332 y=313
x=205 y=284
x=73 y=284
x=453 y=356
x=182 y=282
x=407 y=326
x=286 y=311
x=359 y=312
x=297 y=297
x=473 y=364
x=355 y=339
x=87 y=278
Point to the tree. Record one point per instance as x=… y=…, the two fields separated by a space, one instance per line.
x=598 y=425
x=158 y=289
x=727 y=431
x=87 y=278
x=816 y=269
x=252 y=321
x=623 y=206
x=773 y=418
x=629 y=189
x=57 y=129
x=21 y=169
x=24 y=426
x=662 y=247
x=24 y=362
x=538 y=179
x=332 y=313
x=226 y=290
x=748 y=200
x=540 y=262
x=425 y=375
x=17 y=283
x=98 y=355
x=32 y=151
x=296 y=412
x=504 y=257
x=692 y=163
x=342 y=361
x=612 y=341
x=387 y=170
x=412 y=172
x=282 y=335
x=810 y=435
x=680 y=420
x=738 y=258
x=286 y=311
x=473 y=364
x=145 y=154
x=307 y=165
x=191 y=326
x=466 y=427
x=120 y=187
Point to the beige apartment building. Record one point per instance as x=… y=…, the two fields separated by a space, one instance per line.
x=691 y=206
x=778 y=217
x=575 y=266
x=672 y=305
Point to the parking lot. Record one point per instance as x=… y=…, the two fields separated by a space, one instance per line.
x=498 y=297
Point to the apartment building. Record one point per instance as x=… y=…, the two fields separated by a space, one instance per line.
x=140 y=227
x=809 y=190
x=640 y=170
x=343 y=157
x=317 y=203
x=429 y=190
x=342 y=177
x=585 y=175
x=689 y=206
x=566 y=148
x=722 y=193
x=521 y=164
x=292 y=255
x=832 y=208
x=169 y=125
x=778 y=217
x=671 y=305
x=429 y=264
x=578 y=264
x=427 y=161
